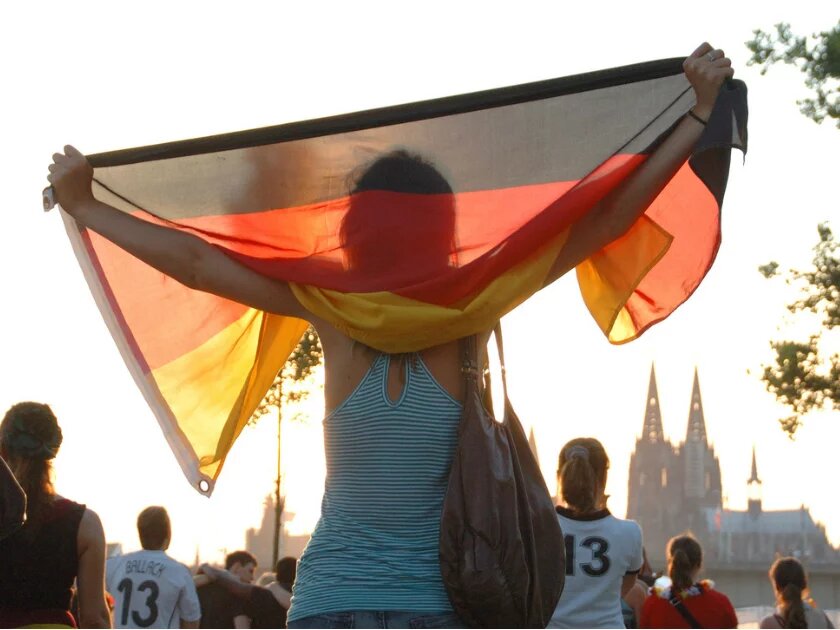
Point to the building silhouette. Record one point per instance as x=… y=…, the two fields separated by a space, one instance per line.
x=259 y=541
x=678 y=488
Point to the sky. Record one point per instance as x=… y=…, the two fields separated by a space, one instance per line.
x=104 y=76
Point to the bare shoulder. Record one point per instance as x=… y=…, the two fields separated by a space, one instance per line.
x=770 y=621
x=90 y=530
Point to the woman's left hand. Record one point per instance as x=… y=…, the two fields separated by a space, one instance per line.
x=706 y=69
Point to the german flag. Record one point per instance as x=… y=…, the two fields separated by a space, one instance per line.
x=405 y=227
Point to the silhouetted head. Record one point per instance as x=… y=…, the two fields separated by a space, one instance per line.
x=685 y=557
x=29 y=440
x=582 y=475
x=154 y=528
x=285 y=572
x=401 y=219
x=790 y=584
x=242 y=564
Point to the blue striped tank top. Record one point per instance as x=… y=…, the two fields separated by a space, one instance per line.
x=375 y=546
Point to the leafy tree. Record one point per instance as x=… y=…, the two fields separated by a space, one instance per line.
x=820 y=62
x=291 y=385
x=802 y=376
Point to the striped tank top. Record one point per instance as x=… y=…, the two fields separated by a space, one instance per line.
x=375 y=546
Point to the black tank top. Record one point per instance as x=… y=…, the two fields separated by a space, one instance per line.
x=38 y=565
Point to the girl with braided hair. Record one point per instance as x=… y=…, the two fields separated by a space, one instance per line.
x=794 y=608
x=684 y=601
x=61 y=541
x=603 y=553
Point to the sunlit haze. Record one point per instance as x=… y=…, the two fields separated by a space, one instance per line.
x=109 y=75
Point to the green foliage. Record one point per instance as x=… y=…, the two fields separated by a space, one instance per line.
x=820 y=62
x=801 y=376
x=770 y=270
x=290 y=384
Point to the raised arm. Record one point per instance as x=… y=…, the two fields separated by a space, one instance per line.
x=706 y=70
x=182 y=256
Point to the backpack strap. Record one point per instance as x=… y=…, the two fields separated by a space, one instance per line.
x=677 y=603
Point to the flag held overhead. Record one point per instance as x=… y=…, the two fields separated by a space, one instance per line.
x=477 y=193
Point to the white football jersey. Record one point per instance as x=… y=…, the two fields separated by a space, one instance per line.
x=151 y=590
x=600 y=550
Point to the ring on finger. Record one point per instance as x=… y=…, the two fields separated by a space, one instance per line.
x=711 y=56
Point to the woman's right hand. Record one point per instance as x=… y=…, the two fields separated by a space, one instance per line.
x=71 y=176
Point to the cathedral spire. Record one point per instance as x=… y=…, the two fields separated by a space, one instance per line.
x=652 y=429
x=696 y=431
x=754 y=472
x=754 y=490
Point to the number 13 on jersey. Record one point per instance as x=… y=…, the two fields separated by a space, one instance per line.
x=594 y=564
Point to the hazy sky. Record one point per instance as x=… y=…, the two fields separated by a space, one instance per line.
x=113 y=75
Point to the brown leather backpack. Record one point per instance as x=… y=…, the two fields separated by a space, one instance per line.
x=501 y=548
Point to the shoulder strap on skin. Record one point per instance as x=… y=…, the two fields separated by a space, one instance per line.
x=475 y=375
x=497 y=331
x=677 y=603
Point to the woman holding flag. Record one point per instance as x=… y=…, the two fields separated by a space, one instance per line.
x=391 y=417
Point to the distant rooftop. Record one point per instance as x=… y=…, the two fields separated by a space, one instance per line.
x=797 y=522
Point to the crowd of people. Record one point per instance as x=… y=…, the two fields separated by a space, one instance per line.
x=54 y=570
x=53 y=566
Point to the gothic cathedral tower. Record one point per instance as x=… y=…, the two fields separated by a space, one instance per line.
x=701 y=481
x=669 y=488
x=655 y=481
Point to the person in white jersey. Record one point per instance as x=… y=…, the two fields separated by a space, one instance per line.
x=151 y=589
x=603 y=553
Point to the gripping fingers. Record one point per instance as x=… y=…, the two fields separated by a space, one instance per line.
x=701 y=50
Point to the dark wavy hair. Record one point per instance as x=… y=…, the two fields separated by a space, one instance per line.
x=381 y=229
x=788 y=576
x=239 y=557
x=582 y=469
x=29 y=439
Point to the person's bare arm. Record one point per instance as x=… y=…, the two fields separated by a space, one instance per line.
x=229 y=582
x=283 y=597
x=182 y=256
x=627 y=583
x=190 y=624
x=241 y=621
x=635 y=597
x=616 y=213
x=199 y=579
x=90 y=542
